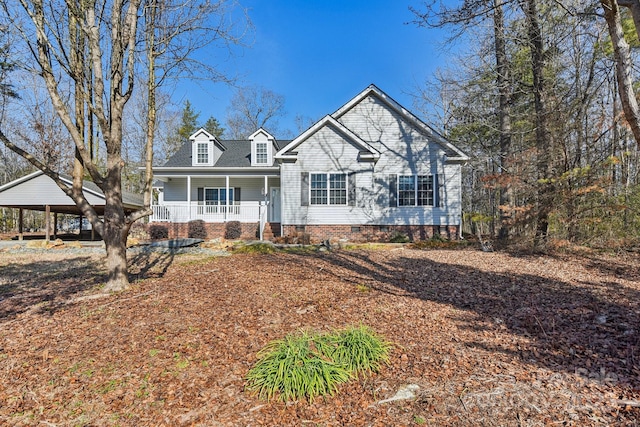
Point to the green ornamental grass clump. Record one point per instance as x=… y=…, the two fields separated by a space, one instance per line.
x=308 y=365
x=359 y=349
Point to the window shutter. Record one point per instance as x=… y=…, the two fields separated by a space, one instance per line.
x=201 y=195
x=393 y=191
x=439 y=185
x=304 y=189
x=351 y=188
x=236 y=195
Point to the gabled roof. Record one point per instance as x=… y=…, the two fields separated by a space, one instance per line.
x=366 y=150
x=209 y=136
x=261 y=131
x=454 y=153
x=52 y=195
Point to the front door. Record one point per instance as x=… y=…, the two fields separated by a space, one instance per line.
x=274 y=205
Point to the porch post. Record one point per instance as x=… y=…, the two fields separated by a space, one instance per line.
x=226 y=184
x=55 y=225
x=47 y=222
x=20 y=224
x=266 y=188
x=189 y=197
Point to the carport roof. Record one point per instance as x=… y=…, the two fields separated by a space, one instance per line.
x=36 y=190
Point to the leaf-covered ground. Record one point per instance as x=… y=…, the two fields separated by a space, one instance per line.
x=490 y=338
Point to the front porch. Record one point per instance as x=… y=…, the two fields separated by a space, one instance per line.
x=185 y=212
x=217 y=200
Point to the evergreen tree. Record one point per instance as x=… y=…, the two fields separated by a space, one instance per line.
x=212 y=125
x=189 y=123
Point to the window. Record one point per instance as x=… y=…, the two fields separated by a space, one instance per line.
x=217 y=196
x=425 y=190
x=406 y=190
x=337 y=189
x=415 y=190
x=318 y=189
x=261 y=153
x=202 y=153
x=328 y=189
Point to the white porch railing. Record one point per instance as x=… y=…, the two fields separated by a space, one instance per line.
x=208 y=213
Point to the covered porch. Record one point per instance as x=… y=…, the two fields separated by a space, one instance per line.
x=217 y=198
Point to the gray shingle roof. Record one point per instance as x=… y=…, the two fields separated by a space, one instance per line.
x=236 y=155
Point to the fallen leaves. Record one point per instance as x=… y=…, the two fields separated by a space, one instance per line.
x=487 y=338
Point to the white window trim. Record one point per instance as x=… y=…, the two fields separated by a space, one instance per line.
x=194 y=150
x=266 y=146
x=415 y=190
x=346 y=188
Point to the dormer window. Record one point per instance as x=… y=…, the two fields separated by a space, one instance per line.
x=202 y=153
x=205 y=148
x=261 y=153
x=262 y=144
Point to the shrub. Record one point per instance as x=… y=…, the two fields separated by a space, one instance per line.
x=358 y=349
x=292 y=369
x=232 y=230
x=197 y=229
x=158 y=231
x=308 y=365
x=139 y=230
x=399 y=238
x=255 y=248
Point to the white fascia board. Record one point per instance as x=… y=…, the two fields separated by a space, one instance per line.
x=209 y=170
x=326 y=120
x=198 y=132
x=263 y=131
x=20 y=180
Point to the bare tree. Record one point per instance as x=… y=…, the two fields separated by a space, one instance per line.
x=95 y=48
x=463 y=17
x=622 y=56
x=251 y=108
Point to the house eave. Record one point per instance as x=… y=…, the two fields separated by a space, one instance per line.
x=216 y=169
x=457 y=159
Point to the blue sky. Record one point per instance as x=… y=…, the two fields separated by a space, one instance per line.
x=319 y=54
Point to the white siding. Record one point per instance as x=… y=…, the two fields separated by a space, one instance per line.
x=175 y=190
x=403 y=150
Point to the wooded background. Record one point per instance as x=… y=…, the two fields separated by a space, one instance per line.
x=539 y=93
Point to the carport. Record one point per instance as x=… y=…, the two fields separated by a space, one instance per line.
x=38 y=192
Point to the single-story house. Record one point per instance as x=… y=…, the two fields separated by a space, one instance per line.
x=365 y=172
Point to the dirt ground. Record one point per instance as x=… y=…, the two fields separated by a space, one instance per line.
x=490 y=339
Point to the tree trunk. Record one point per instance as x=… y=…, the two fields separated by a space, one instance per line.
x=543 y=145
x=624 y=66
x=151 y=100
x=634 y=8
x=504 y=117
x=114 y=236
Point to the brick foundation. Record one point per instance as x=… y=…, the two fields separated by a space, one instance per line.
x=214 y=230
x=318 y=233
x=370 y=233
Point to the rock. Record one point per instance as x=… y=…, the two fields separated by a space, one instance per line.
x=405 y=392
x=37 y=244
